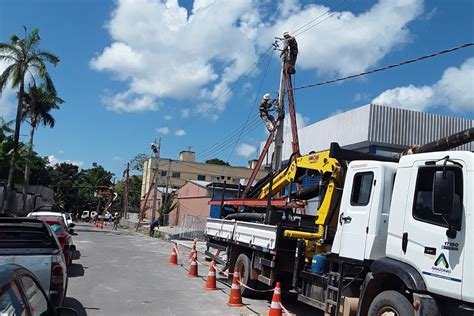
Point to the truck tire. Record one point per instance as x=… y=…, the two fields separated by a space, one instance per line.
x=391 y=303
x=243 y=263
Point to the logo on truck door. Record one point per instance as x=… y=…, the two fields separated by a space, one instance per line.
x=442 y=260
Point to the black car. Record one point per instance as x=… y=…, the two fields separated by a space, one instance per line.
x=21 y=294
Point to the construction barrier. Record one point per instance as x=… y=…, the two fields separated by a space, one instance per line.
x=235 y=297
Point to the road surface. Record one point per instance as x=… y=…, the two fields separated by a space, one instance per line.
x=119 y=273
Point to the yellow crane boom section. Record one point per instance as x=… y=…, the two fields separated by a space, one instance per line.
x=320 y=162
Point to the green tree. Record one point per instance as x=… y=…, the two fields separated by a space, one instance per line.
x=38 y=104
x=138 y=161
x=64 y=178
x=134 y=192
x=88 y=182
x=217 y=161
x=22 y=56
x=169 y=204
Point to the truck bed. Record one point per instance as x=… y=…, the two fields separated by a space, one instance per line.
x=246 y=233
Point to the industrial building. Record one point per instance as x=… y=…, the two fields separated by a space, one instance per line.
x=377 y=129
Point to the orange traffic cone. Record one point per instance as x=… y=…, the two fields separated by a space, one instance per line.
x=211 y=278
x=193 y=269
x=235 y=297
x=275 y=306
x=193 y=251
x=174 y=256
x=101 y=225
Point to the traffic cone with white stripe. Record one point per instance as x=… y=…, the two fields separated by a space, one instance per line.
x=193 y=269
x=193 y=252
x=235 y=297
x=211 y=278
x=275 y=306
x=174 y=256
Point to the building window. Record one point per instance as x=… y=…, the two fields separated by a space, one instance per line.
x=213 y=178
x=361 y=188
x=228 y=178
x=423 y=201
x=163 y=173
x=176 y=174
x=201 y=177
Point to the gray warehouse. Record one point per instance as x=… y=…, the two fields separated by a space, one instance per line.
x=377 y=129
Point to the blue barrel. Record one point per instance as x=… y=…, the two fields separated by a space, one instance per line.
x=318 y=263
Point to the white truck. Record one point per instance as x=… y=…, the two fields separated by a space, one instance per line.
x=401 y=243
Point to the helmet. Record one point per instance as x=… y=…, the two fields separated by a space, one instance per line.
x=286 y=34
x=266 y=96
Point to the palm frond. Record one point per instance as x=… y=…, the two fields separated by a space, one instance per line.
x=10 y=49
x=49 y=57
x=5 y=76
x=49 y=85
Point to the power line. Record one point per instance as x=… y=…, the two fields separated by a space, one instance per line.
x=330 y=16
x=319 y=16
x=251 y=108
x=406 y=62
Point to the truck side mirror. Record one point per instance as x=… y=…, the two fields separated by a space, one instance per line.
x=443 y=193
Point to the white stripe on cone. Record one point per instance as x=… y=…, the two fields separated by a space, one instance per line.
x=277 y=291
x=275 y=305
x=235 y=287
x=211 y=273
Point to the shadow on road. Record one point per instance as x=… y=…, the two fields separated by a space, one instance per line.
x=75 y=270
x=75 y=304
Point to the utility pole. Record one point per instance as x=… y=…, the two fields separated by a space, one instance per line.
x=155 y=147
x=167 y=196
x=125 y=195
x=278 y=144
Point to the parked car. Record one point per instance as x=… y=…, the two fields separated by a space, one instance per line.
x=32 y=244
x=65 y=239
x=22 y=294
x=69 y=219
x=50 y=213
x=86 y=216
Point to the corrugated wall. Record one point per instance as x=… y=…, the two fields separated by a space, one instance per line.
x=396 y=126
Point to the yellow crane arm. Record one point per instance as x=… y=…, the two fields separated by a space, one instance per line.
x=319 y=162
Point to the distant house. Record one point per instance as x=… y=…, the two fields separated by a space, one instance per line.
x=194 y=196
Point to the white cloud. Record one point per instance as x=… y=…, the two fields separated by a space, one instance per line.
x=455 y=90
x=352 y=43
x=128 y=101
x=117 y=158
x=163 y=130
x=53 y=160
x=8 y=103
x=61 y=152
x=180 y=132
x=246 y=150
x=185 y=113
x=198 y=54
x=168 y=117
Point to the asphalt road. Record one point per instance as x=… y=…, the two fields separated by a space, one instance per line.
x=119 y=273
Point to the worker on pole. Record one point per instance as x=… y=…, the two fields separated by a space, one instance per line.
x=264 y=108
x=292 y=45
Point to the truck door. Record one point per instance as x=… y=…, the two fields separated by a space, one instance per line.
x=425 y=244
x=354 y=218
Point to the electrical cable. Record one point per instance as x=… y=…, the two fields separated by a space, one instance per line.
x=319 y=16
x=406 y=62
x=252 y=107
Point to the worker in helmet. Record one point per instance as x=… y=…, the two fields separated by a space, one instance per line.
x=292 y=45
x=265 y=107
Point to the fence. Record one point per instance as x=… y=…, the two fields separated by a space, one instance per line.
x=191 y=227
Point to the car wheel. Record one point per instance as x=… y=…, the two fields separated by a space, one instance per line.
x=391 y=303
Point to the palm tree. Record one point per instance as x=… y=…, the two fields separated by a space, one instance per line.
x=22 y=57
x=38 y=104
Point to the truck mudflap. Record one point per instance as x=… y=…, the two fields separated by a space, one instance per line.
x=425 y=305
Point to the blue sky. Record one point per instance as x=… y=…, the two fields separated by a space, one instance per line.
x=132 y=71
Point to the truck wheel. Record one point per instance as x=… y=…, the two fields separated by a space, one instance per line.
x=391 y=303
x=243 y=263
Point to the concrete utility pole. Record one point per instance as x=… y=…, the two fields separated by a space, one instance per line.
x=155 y=147
x=125 y=195
x=278 y=144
